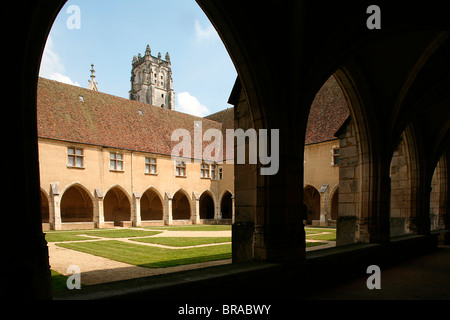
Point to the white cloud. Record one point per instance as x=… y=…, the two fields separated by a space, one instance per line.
x=203 y=35
x=190 y=104
x=52 y=66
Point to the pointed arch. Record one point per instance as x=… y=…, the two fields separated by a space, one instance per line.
x=362 y=173
x=207 y=205
x=311 y=198
x=151 y=204
x=439 y=203
x=117 y=205
x=45 y=207
x=77 y=204
x=181 y=205
x=226 y=205
x=334 y=205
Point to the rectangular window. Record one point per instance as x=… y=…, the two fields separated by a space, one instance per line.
x=115 y=161
x=220 y=173
x=204 y=170
x=335 y=157
x=75 y=157
x=180 y=169
x=213 y=172
x=150 y=166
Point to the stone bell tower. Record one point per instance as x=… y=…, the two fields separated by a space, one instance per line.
x=151 y=80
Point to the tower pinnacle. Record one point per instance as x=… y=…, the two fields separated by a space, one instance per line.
x=151 y=80
x=92 y=84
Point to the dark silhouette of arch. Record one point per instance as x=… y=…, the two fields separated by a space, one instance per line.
x=335 y=205
x=45 y=212
x=206 y=206
x=226 y=206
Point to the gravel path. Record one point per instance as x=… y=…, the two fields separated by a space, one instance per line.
x=95 y=270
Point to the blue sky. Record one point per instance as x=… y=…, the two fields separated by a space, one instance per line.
x=111 y=32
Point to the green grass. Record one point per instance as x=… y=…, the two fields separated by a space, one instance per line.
x=58 y=281
x=326 y=237
x=330 y=236
x=202 y=227
x=58 y=236
x=313 y=244
x=150 y=257
x=183 y=241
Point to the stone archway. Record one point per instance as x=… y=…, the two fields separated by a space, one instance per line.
x=181 y=207
x=76 y=205
x=151 y=205
x=226 y=206
x=206 y=206
x=335 y=205
x=45 y=212
x=311 y=198
x=117 y=206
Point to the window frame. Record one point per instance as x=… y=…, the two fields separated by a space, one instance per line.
x=180 y=169
x=149 y=164
x=205 y=171
x=335 y=156
x=75 y=156
x=116 y=161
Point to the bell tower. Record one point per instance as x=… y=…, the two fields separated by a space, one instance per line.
x=151 y=80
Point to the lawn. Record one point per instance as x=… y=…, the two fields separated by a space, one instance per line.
x=314 y=234
x=59 y=281
x=157 y=257
x=57 y=236
x=150 y=257
x=184 y=241
x=201 y=227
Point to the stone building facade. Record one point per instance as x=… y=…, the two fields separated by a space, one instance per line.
x=106 y=161
x=151 y=80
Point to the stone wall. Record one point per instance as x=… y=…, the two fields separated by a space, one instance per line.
x=349 y=186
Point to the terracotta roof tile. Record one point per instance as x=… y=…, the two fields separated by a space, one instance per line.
x=75 y=114
x=328 y=112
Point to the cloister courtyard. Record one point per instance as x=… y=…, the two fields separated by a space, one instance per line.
x=107 y=255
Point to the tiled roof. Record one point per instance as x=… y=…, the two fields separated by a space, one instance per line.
x=79 y=115
x=75 y=114
x=226 y=118
x=328 y=112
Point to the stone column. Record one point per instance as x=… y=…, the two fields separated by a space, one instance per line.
x=217 y=210
x=323 y=222
x=167 y=215
x=195 y=215
x=99 y=214
x=232 y=209
x=136 y=210
x=55 y=207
